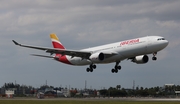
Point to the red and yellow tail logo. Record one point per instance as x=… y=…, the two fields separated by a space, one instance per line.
x=55 y=42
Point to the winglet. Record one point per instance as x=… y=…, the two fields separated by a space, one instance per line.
x=16 y=43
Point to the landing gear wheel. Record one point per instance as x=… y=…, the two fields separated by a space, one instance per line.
x=88 y=69
x=116 y=70
x=113 y=70
x=94 y=66
x=154 y=58
x=118 y=67
x=91 y=70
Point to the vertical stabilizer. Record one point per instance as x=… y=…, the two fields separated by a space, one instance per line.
x=57 y=44
x=55 y=41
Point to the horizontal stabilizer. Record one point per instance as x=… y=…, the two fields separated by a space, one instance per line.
x=43 y=56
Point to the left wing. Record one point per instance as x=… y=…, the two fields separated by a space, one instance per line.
x=73 y=53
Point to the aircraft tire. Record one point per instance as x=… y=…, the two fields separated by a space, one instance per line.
x=113 y=70
x=88 y=69
x=94 y=66
x=154 y=58
x=118 y=67
x=91 y=70
x=116 y=70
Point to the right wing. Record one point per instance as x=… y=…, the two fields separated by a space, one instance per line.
x=72 y=53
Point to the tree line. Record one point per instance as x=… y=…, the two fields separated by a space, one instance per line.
x=140 y=91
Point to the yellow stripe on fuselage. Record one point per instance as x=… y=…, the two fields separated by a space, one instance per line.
x=53 y=36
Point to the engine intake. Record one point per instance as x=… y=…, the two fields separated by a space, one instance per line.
x=141 y=59
x=97 y=57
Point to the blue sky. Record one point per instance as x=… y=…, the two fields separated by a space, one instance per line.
x=82 y=24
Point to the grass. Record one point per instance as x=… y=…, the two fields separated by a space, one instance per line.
x=79 y=102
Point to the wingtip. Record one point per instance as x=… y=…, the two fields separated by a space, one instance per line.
x=16 y=43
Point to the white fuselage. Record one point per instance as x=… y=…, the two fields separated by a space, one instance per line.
x=124 y=49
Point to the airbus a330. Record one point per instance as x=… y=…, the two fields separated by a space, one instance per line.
x=136 y=50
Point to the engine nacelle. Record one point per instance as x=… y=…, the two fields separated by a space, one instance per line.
x=141 y=59
x=97 y=57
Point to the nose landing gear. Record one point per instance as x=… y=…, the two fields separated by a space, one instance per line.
x=154 y=56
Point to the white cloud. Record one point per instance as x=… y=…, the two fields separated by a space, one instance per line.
x=175 y=43
x=169 y=24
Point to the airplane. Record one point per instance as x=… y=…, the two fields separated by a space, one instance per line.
x=136 y=50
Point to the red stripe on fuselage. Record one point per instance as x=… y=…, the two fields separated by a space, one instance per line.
x=63 y=59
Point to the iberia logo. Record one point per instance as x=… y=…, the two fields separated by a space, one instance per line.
x=128 y=42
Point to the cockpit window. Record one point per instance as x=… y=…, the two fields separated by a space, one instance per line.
x=161 y=39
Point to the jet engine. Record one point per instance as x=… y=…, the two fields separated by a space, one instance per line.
x=141 y=59
x=97 y=57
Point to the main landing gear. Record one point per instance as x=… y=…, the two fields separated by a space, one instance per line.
x=91 y=67
x=116 y=68
x=154 y=56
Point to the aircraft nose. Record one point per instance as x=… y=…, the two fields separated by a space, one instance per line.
x=166 y=42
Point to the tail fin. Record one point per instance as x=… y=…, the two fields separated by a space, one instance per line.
x=55 y=41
